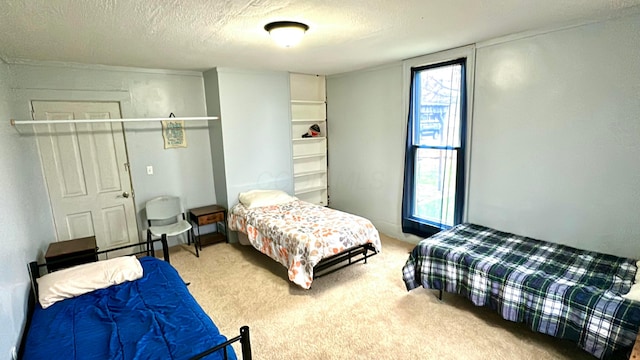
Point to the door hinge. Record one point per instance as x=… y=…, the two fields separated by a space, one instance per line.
x=126 y=166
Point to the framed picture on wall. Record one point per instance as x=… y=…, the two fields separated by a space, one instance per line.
x=174 y=134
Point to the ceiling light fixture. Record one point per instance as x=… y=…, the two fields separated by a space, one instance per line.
x=286 y=33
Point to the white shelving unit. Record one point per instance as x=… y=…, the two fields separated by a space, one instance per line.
x=308 y=107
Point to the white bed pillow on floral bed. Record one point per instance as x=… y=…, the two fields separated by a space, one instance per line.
x=259 y=198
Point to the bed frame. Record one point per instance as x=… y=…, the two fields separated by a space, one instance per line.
x=34 y=273
x=601 y=324
x=352 y=256
x=330 y=264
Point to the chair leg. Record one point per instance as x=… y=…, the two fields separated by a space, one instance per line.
x=148 y=243
x=195 y=243
x=165 y=247
x=153 y=251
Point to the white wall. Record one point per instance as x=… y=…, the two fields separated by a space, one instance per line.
x=255 y=131
x=185 y=172
x=366 y=133
x=25 y=220
x=554 y=151
x=256 y=128
x=212 y=92
x=556 y=137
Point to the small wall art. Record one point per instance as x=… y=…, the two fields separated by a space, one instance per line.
x=173 y=133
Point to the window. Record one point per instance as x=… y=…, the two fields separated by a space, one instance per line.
x=433 y=197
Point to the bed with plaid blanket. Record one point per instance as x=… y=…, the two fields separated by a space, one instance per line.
x=555 y=289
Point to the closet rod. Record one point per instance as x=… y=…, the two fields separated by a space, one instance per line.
x=28 y=122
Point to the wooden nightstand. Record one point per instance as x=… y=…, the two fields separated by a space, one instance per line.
x=63 y=254
x=206 y=215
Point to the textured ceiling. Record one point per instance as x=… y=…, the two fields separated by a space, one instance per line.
x=344 y=35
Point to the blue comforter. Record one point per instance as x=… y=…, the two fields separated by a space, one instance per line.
x=154 y=317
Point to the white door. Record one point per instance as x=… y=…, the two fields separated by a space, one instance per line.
x=87 y=172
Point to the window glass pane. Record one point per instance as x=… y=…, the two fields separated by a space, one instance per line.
x=435 y=185
x=436 y=106
x=433 y=190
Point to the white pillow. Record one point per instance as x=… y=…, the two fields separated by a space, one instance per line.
x=637 y=272
x=81 y=279
x=258 y=198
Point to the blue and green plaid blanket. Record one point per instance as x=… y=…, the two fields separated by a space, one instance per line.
x=555 y=289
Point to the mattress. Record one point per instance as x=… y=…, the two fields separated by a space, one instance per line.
x=154 y=317
x=299 y=234
x=557 y=290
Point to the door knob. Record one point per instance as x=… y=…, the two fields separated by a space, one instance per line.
x=125 y=194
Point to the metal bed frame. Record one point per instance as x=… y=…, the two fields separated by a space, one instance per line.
x=328 y=265
x=34 y=272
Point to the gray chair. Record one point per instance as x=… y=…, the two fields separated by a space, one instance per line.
x=165 y=218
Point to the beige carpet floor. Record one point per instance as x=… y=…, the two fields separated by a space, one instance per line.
x=361 y=312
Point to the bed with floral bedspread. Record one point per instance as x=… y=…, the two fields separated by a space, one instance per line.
x=299 y=235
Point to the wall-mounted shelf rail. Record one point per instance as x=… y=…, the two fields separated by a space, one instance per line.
x=66 y=121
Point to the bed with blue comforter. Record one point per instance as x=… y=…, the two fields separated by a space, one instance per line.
x=556 y=290
x=154 y=317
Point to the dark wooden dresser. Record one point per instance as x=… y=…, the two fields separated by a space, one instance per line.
x=64 y=254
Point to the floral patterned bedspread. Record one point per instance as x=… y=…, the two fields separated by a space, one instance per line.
x=299 y=234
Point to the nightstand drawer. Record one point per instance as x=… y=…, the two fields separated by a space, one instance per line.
x=210 y=219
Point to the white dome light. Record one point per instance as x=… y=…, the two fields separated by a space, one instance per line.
x=286 y=33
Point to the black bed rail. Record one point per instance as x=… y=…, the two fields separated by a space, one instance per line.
x=34 y=273
x=245 y=344
x=327 y=265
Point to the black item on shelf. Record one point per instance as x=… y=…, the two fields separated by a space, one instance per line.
x=314 y=130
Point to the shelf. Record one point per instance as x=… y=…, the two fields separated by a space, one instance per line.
x=309 y=120
x=315 y=138
x=311 y=156
x=309 y=106
x=311 y=189
x=307 y=102
x=212 y=238
x=308 y=173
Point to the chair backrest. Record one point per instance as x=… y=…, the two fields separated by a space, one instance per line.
x=163 y=207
